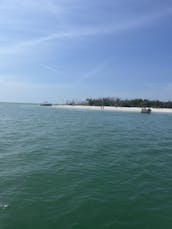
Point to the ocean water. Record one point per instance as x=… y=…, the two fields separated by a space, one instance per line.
x=81 y=169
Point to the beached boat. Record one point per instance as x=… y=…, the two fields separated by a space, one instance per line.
x=146 y=110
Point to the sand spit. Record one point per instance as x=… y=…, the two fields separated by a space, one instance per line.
x=106 y=108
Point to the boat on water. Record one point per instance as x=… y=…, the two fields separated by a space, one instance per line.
x=146 y=110
x=46 y=104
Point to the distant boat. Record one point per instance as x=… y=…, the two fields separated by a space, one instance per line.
x=146 y=110
x=46 y=104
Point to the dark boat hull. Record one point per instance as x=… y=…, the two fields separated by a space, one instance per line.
x=46 y=104
x=146 y=110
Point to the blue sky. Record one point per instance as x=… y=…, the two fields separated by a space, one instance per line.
x=58 y=50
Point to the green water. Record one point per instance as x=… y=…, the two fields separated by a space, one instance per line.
x=84 y=169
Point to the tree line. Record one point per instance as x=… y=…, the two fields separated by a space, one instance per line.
x=117 y=102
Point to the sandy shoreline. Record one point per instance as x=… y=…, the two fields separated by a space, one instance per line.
x=106 y=108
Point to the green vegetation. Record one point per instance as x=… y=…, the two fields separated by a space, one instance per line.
x=117 y=102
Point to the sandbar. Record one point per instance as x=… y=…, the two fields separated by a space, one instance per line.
x=107 y=108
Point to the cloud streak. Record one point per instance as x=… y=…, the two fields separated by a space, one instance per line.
x=51 y=68
x=93 y=72
x=79 y=32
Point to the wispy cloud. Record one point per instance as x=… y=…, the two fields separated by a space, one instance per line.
x=74 y=32
x=51 y=68
x=94 y=72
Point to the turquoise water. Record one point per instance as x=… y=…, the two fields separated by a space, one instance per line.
x=84 y=169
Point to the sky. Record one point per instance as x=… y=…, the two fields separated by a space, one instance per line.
x=58 y=50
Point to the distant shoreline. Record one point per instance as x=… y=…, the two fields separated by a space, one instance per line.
x=108 y=108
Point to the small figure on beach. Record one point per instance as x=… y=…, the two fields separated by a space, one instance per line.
x=102 y=107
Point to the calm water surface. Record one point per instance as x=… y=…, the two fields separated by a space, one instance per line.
x=84 y=169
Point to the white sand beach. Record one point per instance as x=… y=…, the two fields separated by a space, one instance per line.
x=106 y=108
